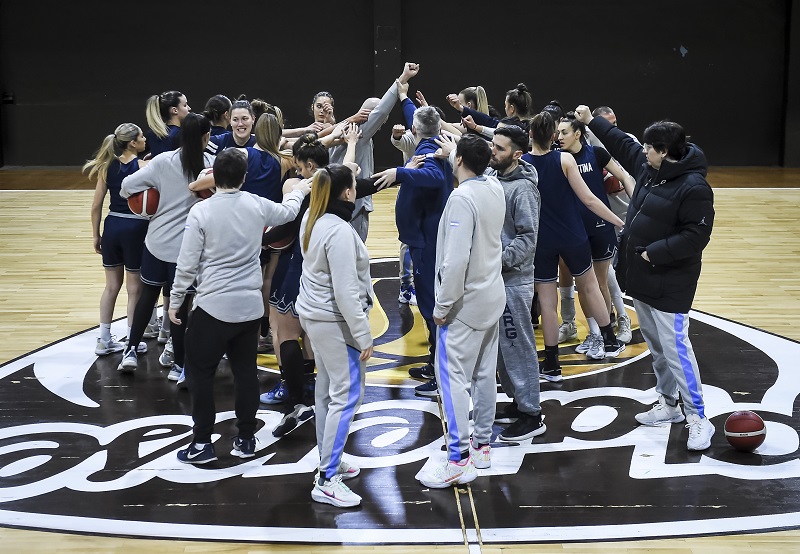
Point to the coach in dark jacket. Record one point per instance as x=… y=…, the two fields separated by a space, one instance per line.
x=668 y=224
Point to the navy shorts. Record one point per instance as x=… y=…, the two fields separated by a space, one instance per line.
x=156 y=272
x=603 y=242
x=286 y=280
x=122 y=242
x=578 y=260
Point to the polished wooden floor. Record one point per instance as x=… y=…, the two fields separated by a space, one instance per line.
x=50 y=284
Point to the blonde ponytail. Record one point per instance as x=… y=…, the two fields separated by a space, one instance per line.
x=154 y=119
x=320 y=194
x=483 y=102
x=113 y=146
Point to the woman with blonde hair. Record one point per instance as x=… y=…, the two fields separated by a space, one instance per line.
x=164 y=114
x=122 y=240
x=334 y=300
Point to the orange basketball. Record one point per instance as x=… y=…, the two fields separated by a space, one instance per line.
x=611 y=183
x=205 y=193
x=281 y=244
x=144 y=203
x=745 y=430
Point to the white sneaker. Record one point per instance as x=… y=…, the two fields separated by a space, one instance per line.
x=347 y=471
x=624 y=332
x=567 y=331
x=152 y=330
x=129 y=361
x=175 y=372
x=481 y=457
x=108 y=347
x=587 y=343
x=163 y=336
x=450 y=473
x=597 y=350
x=334 y=492
x=700 y=432
x=182 y=384
x=661 y=413
x=167 y=357
x=141 y=348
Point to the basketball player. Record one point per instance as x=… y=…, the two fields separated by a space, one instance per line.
x=218 y=112
x=470 y=297
x=170 y=174
x=661 y=258
x=164 y=114
x=334 y=300
x=222 y=259
x=562 y=235
x=123 y=235
x=240 y=135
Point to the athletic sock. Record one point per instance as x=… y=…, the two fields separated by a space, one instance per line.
x=567 y=303
x=292 y=363
x=593 y=327
x=154 y=316
x=264 y=326
x=609 y=338
x=551 y=357
x=165 y=323
x=308 y=366
x=105 y=332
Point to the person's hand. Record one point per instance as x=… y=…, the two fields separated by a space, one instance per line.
x=338 y=130
x=97 y=247
x=446 y=143
x=440 y=321
x=173 y=316
x=415 y=162
x=409 y=70
x=386 y=178
x=365 y=354
x=453 y=100
x=327 y=109
x=402 y=90
x=351 y=133
x=315 y=127
x=398 y=131
x=361 y=116
x=303 y=186
x=583 y=114
x=469 y=123
x=421 y=99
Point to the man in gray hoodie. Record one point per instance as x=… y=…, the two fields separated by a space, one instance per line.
x=517 y=361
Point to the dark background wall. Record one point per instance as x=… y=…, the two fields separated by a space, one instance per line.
x=726 y=70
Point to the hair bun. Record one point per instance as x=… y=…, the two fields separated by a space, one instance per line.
x=522 y=88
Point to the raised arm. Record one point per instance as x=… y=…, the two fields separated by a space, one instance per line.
x=619 y=144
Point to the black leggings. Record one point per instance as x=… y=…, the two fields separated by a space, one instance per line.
x=141 y=317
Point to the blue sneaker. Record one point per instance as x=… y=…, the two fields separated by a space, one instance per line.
x=275 y=396
x=244 y=448
x=196 y=455
x=408 y=295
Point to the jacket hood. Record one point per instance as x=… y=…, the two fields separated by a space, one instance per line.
x=523 y=171
x=693 y=162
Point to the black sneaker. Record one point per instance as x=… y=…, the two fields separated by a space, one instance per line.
x=196 y=455
x=509 y=414
x=552 y=375
x=526 y=427
x=244 y=448
x=422 y=372
x=429 y=389
x=293 y=419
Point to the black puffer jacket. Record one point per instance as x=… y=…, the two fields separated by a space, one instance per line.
x=670 y=215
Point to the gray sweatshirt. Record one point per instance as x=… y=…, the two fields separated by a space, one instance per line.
x=220 y=251
x=521 y=225
x=364 y=149
x=335 y=284
x=165 y=174
x=468 y=284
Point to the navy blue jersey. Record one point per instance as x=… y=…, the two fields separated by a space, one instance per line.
x=263 y=175
x=116 y=173
x=224 y=141
x=156 y=145
x=560 y=223
x=590 y=164
x=218 y=130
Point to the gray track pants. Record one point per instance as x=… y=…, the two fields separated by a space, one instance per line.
x=466 y=360
x=339 y=389
x=674 y=363
x=517 y=361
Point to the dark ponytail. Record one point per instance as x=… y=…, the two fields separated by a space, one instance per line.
x=193 y=129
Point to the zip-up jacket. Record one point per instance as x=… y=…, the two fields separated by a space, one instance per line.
x=670 y=216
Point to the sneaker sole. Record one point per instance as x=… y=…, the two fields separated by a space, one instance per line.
x=108 y=351
x=481 y=465
x=270 y=401
x=427 y=394
x=320 y=496
x=162 y=364
x=198 y=462
x=679 y=419
x=346 y=476
x=126 y=370
x=624 y=338
x=241 y=454
x=505 y=420
x=534 y=433
x=552 y=378
x=463 y=480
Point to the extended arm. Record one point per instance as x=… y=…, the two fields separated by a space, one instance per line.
x=584 y=194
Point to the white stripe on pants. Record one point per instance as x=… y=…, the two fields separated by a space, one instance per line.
x=466 y=358
x=674 y=362
x=339 y=389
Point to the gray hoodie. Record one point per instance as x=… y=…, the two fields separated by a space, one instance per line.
x=521 y=225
